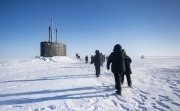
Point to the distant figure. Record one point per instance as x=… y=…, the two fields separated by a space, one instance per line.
x=101 y=59
x=116 y=59
x=104 y=58
x=96 y=61
x=77 y=55
x=91 y=59
x=128 y=71
x=142 y=57
x=86 y=59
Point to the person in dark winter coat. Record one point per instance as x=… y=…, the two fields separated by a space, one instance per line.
x=96 y=61
x=128 y=61
x=116 y=59
x=77 y=55
x=86 y=59
x=92 y=59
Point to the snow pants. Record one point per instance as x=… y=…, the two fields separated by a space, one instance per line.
x=128 y=77
x=117 y=77
x=97 y=68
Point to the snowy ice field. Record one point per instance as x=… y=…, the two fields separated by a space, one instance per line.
x=66 y=84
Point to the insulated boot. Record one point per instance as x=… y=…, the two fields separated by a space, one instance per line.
x=118 y=93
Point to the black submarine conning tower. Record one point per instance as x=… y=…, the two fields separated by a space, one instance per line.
x=51 y=47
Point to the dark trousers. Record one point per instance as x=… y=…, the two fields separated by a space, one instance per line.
x=128 y=77
x=97 y=68
x=117 y=81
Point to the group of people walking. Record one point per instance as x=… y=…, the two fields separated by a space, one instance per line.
x=119 y=62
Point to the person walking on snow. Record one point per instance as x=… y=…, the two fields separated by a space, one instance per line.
x=92 y=59
x=86 y=59
x=128 y=71
x=96 y=61
x=116 y=59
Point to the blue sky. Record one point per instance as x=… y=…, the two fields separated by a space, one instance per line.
x=149 y=27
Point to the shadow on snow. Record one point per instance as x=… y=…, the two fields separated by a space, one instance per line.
x=75 y=93
x=54 y=78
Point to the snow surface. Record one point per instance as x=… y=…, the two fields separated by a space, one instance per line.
x=66 y=84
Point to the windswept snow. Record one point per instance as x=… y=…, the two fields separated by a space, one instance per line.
x=66 y=84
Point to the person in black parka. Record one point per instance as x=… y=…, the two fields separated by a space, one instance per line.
x=77 y=55
x=97 y=63
x=92 y=59
x=86 y=59
x=128 y=61
x=116 y=59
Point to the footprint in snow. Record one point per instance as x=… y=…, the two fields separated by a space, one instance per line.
x=164 y=98
x=143 y=92
x=106 y=96
x=177 y=104
x=114 y=102
x=138 y=101
x=118 y=97
x=159 y=109
x=42 y=109
x=124 y=107
x=177 y=81
x=162 y=104
x=103 y=84
x=178 y=91
x=36 y=109
x=143 y=98
x=52 y=107
x=143 y=108
x=177 y=94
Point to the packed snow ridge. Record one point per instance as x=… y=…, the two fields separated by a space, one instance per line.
x=61 y=59
x=66 y=84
